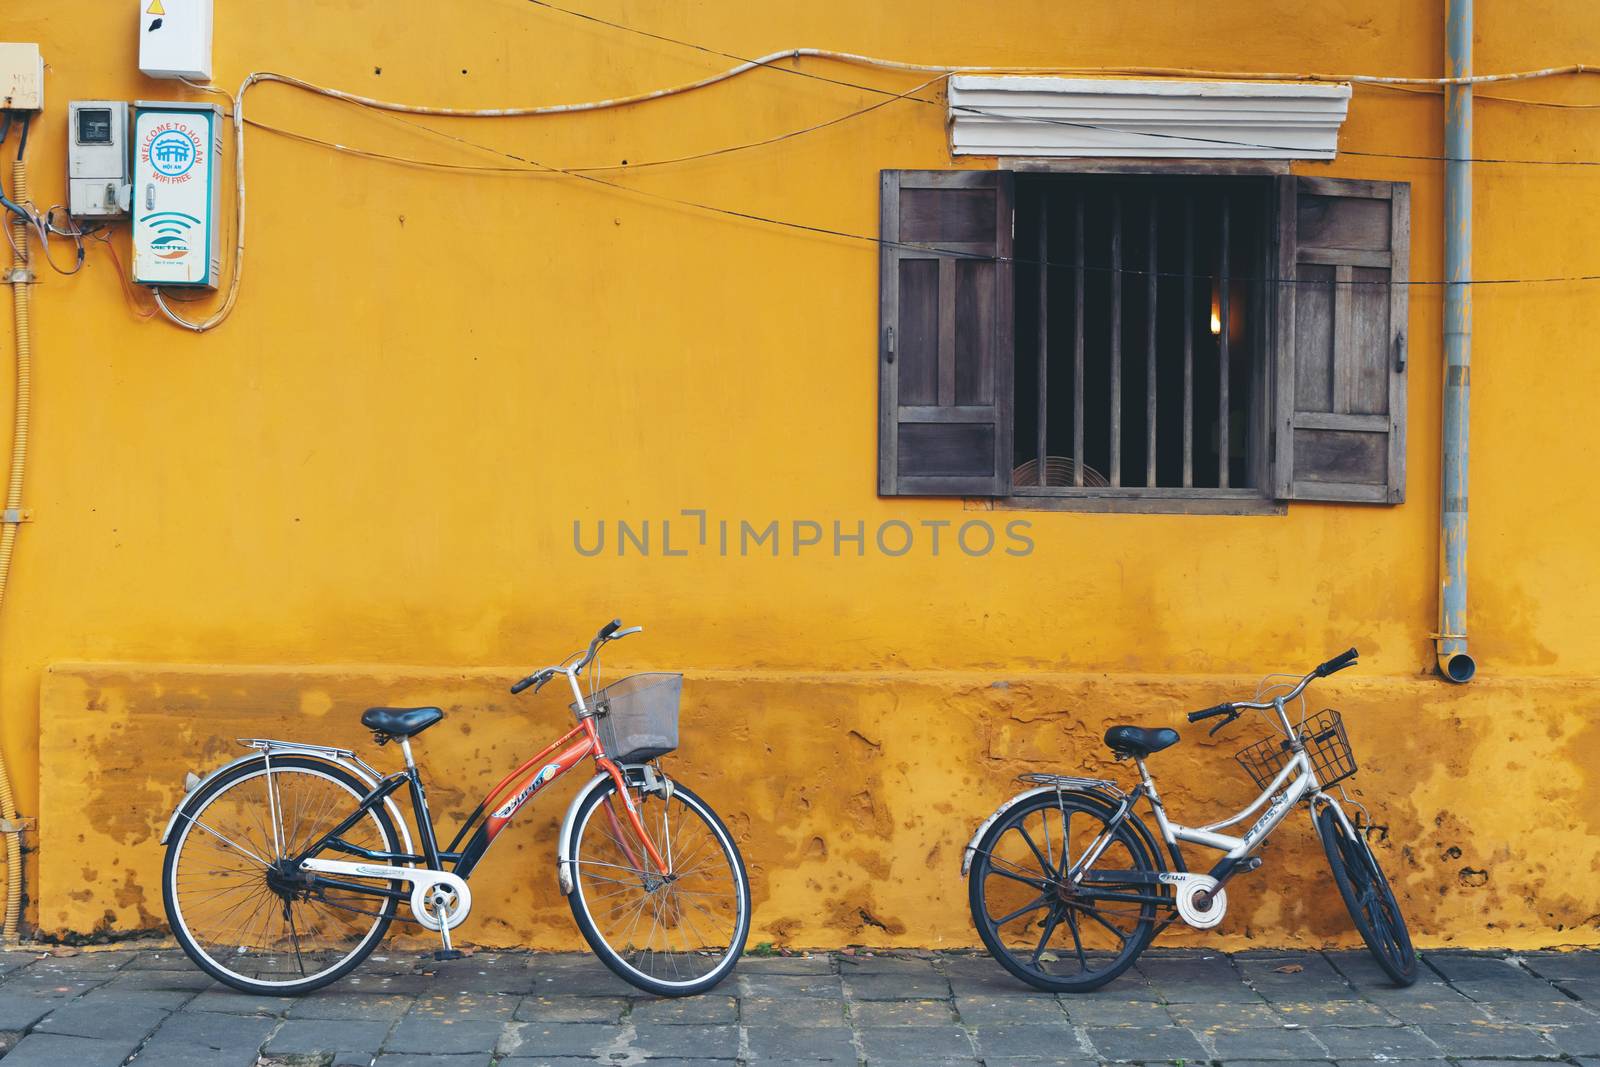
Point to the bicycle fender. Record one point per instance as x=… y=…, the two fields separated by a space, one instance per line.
x=1099 y=796
x=288 y=750
x=635 y=774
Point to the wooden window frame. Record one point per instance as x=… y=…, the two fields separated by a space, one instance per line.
x=1322 y=386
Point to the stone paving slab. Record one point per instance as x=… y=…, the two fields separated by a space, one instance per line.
x=150 y=1008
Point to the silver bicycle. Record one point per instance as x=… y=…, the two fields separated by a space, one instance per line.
x=1068 y=885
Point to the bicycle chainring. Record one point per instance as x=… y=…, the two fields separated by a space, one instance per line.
x=1201 y=902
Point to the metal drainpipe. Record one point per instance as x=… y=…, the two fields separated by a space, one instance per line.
x=1455 y=663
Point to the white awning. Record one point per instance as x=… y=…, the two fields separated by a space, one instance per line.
x=1150 y=119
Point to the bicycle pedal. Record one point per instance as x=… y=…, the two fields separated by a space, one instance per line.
x=449 y=954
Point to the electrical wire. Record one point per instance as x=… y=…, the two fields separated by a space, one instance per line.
x=29 y=214
x=5 y=201
x=534 y=166
x=231 y=299
x=1423 y=90
x=122 y=276
x=46 y=228
x=626 y=165
x=1153 y=72
x=1373 y=80
x=744 y=65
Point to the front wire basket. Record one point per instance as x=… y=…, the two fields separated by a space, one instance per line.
x=1326 y=746
x=637 y=717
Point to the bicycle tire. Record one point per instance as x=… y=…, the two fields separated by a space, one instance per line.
x=1368 y=898
x=194 y=809
x=583 y=889
x=985 y=866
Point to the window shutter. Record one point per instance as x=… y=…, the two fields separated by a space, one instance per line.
x=1345 y=249
x=945 y=334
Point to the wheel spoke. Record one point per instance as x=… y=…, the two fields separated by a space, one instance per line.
x=1077 y=942
x=1018 y=877
x=1050 y=923
x=254 y=922
x=1033 y=905
x=1045 y=865
x=677 y=930
x=1094 y=914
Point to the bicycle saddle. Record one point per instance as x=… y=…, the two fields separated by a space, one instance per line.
x=400 y=722
x=1137 y=741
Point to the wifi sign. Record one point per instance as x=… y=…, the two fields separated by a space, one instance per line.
x=172 y=233
x=175 y=187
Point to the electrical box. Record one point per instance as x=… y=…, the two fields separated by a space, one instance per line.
x=175 y=39
x=176 y=193
x=97 y=159
x=21 y=77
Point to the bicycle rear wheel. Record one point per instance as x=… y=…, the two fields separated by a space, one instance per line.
x=1048 y=930
x=1367 y=895
x=237 y=909
x=672 y=935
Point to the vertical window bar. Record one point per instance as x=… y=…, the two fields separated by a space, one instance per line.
x=1224 y=422
x=1188 y=342
x=1077 y=347
x=1044 y=327
x=1150 y=358
x=1116 y=338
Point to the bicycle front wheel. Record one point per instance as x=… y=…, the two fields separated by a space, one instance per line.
x=1367 y=895
x=675 y=934
x=239 y=911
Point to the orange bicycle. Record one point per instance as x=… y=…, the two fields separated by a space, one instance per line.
x=285 y=867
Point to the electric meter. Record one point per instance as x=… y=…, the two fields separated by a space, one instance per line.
x=97 y=159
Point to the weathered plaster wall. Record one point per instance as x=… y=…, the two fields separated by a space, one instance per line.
x=852 y=798
x=431 y=374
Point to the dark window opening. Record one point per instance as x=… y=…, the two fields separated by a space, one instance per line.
x=1140 y=333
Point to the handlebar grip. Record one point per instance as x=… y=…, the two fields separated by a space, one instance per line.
x=610 y=628
x=1206 y=713
x=1337 y=663
x=520 y=686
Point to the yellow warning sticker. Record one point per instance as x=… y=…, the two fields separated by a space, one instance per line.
x=156 y=8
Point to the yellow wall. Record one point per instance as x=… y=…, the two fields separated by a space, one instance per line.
x=362 y=488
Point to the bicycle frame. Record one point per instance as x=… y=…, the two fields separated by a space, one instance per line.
x=485 y=823
x=1297 y=781
x=1282 y=793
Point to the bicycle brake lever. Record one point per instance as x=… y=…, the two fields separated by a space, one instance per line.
x=1232 y=715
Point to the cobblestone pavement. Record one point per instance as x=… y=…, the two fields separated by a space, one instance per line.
x=151 y=1007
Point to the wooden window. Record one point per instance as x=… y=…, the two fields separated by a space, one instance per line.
x=1144 y=341
x=1341 y=399
x=945 y=345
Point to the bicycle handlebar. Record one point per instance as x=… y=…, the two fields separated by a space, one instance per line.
x=608 y=632
x=1347 y=658
x=599 y=639
x=1337 y=663
x=1206 y=713
x=536 y=678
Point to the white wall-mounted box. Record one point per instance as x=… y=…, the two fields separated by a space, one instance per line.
x=97 y=159
x=21 y=77
x=175 y=39
x=177 y=149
